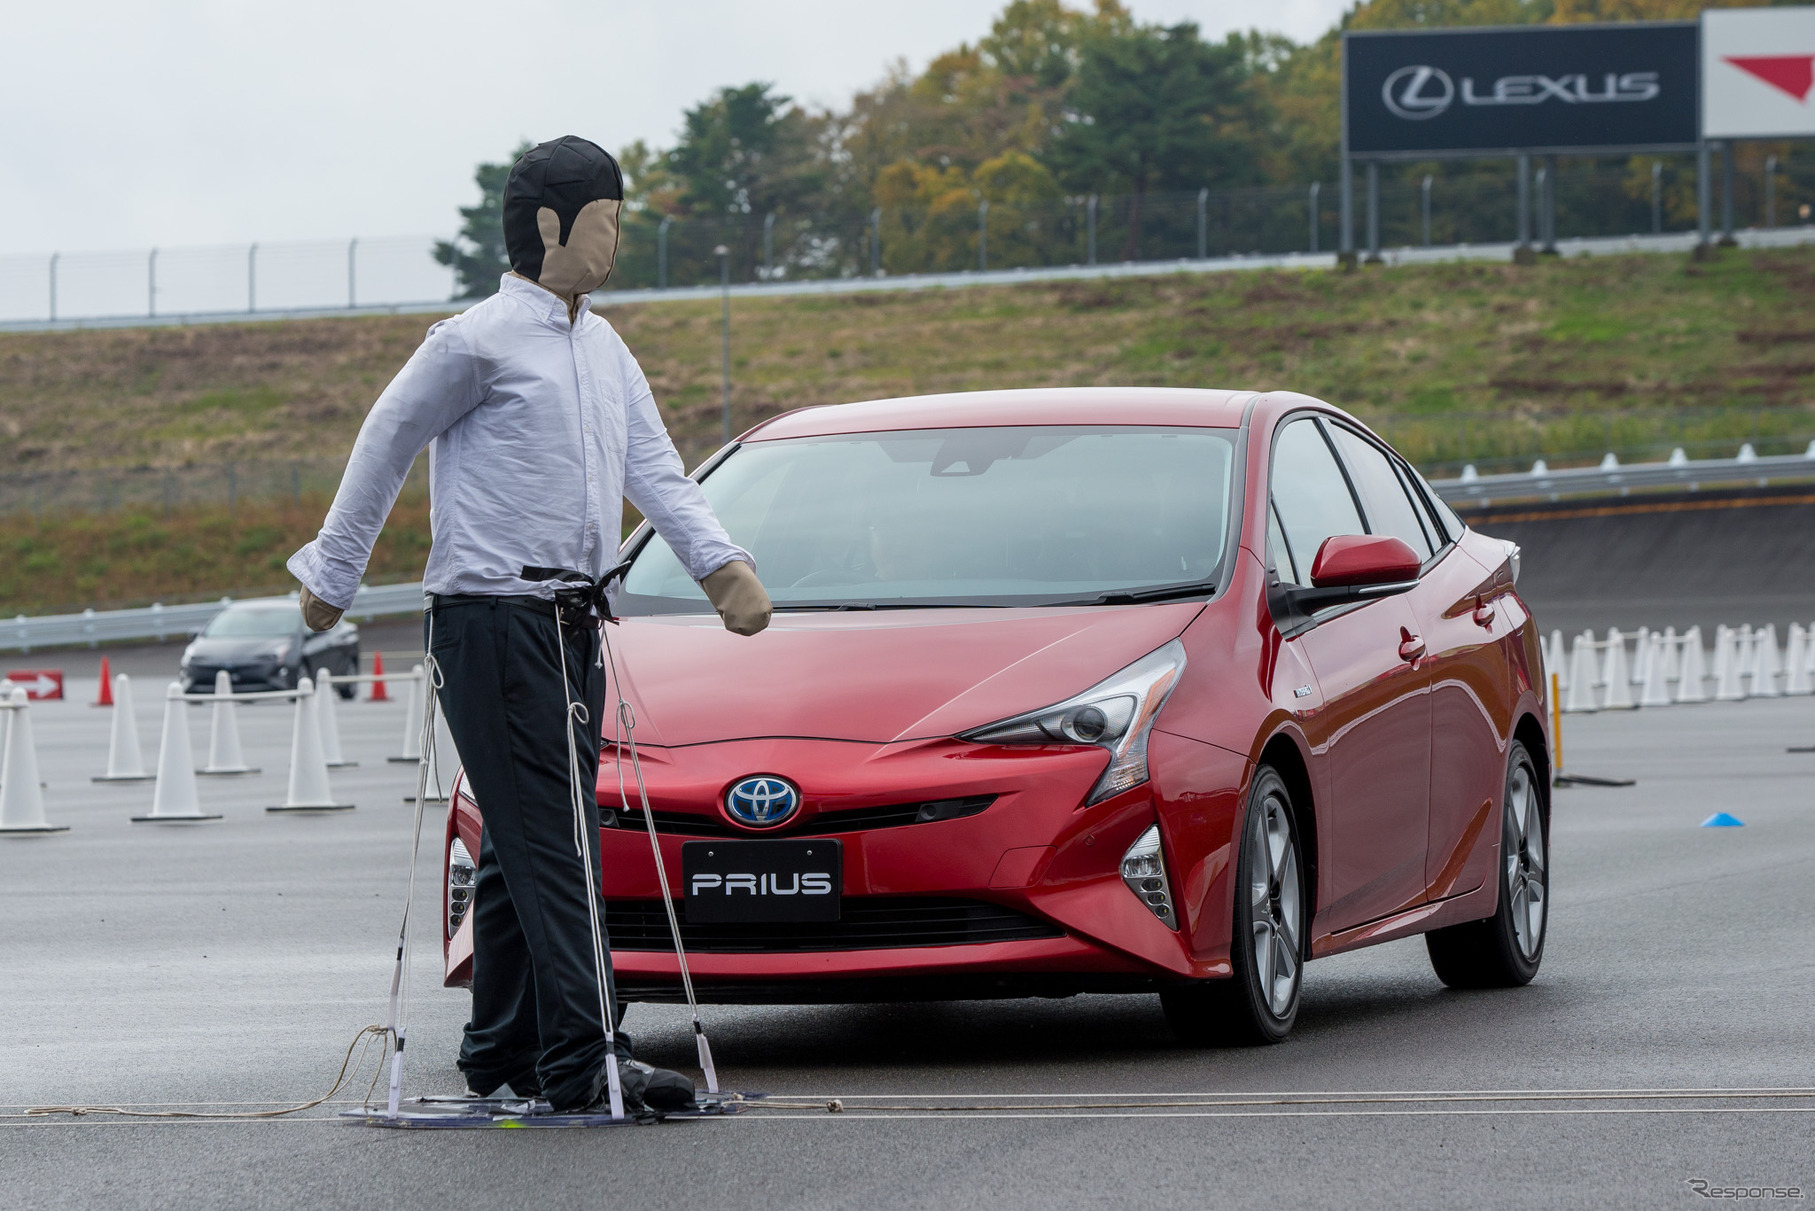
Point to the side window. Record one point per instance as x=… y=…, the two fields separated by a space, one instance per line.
x=1389 y=509
x=1448 y=524
x=1311 y=499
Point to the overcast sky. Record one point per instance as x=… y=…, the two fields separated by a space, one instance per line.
x=137 y=122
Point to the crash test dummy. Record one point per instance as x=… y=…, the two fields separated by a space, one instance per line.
x=539 y=423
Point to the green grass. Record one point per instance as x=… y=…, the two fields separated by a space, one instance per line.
x=1493 y=363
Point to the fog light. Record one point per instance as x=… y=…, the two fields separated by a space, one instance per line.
x=1144 y=871
x=461 y=875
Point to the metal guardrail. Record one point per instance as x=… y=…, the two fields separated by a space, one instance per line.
x=1611 y=478
x=160 y=622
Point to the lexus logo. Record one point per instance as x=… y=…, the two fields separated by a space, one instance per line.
x=762 y=801
x=1417 y=93
x=1420 y=92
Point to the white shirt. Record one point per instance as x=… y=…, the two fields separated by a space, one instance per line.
x=540 y=429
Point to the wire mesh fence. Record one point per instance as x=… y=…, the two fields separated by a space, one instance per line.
x=1454 y=204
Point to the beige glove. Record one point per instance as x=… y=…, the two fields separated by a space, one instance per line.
x=739 y=597
x=317 y=614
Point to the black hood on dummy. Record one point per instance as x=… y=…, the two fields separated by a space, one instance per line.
x=565 y=175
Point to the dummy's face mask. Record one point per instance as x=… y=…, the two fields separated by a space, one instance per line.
x=561 y=210
x=583 y=262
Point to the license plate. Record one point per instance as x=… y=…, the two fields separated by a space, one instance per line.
x=733 y=881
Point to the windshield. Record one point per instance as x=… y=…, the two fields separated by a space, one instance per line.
x=989 y=516
x=255 y=622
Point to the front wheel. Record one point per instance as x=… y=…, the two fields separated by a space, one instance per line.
x=1504 y=950
x=1259 y=1002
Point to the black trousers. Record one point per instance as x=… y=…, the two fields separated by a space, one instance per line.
x=535 y=984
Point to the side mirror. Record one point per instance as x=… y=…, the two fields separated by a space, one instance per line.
x=1357 y=567
x=1352 y=560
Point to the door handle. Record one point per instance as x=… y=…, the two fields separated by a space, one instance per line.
x=1484 y=613
x=1410 y=646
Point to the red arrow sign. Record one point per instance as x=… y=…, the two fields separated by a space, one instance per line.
x=1793 y=74
x=39 y=684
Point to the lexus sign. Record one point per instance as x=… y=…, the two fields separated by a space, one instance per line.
x=1536 y=88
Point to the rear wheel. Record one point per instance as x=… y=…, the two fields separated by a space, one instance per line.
x=1504 y=950
x=1259 y=1002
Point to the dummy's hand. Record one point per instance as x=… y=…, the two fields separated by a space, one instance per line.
x=739 y=597
x=317 y=614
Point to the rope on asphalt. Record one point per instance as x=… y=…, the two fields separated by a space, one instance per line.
x=348 y=1067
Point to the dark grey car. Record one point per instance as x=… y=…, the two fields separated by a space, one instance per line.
x=263 y=645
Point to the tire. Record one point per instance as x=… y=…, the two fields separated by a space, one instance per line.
x=1504 y=950
x=1259 y=1002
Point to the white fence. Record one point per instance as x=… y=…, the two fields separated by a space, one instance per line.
x=1661 y=668
x=1612 y=477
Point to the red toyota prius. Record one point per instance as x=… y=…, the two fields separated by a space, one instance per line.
x=1106 y=690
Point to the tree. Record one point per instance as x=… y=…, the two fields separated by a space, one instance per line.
x=746 y=151
x=478 y=254
x=1155 y=108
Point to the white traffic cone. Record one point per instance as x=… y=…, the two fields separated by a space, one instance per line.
x=21 y=799
x=1641 y=656
x=1673 y=655
x=1556 y=659
x=309 y=790
x=175 y=797
x=224 y=756
x=124 y=763
x=1689 y=681
x=1796 y=663
x=412 y=721
x=1727 y=649
x=326 y=712
x=1614 y=675
x=1582 y=676
x=1766 y=663
x=1657 y=664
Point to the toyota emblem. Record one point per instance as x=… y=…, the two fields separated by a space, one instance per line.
x=762 y=801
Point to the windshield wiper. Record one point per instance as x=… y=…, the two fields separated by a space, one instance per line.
x=841 y=606
x=1164 y=592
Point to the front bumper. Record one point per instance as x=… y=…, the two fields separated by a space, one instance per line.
x=1034 y=866
x=248 y=677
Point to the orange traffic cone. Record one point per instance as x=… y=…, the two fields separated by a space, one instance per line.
x=378 y=694
x=106 y=696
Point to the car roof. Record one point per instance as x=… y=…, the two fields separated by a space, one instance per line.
x=1182 y=406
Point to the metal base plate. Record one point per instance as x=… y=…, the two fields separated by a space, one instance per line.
x=124 y=778
x=237 y=772
x=515 y=1113
x=404 y=760
x=314 y=807
x=34 y=828
x=171 y=819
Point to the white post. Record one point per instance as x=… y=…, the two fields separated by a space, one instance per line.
x=1727 y=686
x=1657 y=665
x=1767 y=663
x=1641 y=656
x=124 y=761
x=1796 y=662
x=412 y=722
x=309 y=790
x=21 y=798
x=224 y=756
x=1582 y=677
x=175 y=797
x=1556 y=659
x=327 y=712
x=1614 y=675
x=1689 y=683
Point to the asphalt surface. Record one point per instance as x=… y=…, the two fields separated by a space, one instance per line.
x=227 y=965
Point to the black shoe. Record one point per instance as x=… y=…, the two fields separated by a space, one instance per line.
x=646 y=1089
x=524 y=1085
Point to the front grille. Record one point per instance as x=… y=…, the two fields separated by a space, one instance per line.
x=868 y=923
x=683 y=824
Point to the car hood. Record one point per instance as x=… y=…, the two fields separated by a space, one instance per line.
x=876 y=677
x=236 y=649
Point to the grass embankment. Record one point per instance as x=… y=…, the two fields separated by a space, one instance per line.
x=1451 y=361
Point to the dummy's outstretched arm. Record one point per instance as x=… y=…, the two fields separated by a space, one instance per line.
x=657 y=484
x=435 y=388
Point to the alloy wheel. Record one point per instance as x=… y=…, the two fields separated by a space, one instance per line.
x=1526 y=881
x=1276 y=906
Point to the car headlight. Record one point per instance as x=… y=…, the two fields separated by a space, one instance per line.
x=1116 y=714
